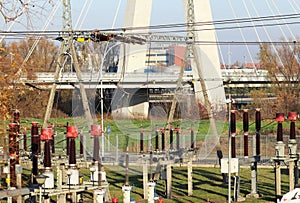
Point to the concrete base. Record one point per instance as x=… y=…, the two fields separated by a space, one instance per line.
x=253 y=195
x=99 y=196
x=151 y=186
x=241 y=199
x=74 y=177
x=49 y=183
x=126 y=193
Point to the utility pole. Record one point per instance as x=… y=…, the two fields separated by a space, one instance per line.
x=67 y=49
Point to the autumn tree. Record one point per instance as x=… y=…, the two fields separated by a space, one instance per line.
x=283 y=66
x=30 y=100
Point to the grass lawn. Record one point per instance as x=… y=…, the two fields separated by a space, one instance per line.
x=207 y=184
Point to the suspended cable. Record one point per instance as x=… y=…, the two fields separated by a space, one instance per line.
x=243 y=37
x=38 y=38
x=268 y=36
x=81 y=13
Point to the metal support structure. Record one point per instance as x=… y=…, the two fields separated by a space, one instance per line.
x=67 y=48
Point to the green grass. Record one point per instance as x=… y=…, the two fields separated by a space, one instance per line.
x=207 y=184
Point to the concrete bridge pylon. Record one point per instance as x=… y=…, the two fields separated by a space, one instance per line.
x=133 y=57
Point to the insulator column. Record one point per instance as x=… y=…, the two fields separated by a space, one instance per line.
x=35 y=147
x=96 y=132
x=141 y=141
x=192 y=138
x=81 y=144
x=47 y=136
x=13 y=156
x=171 y=138
x=163 y=140
x=177 y=138
x=72 y=133
x=25 y=141
x=246 y=129
x=279 y=119
x=233 y=133
x=257 y=127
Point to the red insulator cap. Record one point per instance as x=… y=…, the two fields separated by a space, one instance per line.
x=34 y=124
x=292 y=116
x=12 y=125
x=279 y=117
x=47 y=134
x=96 y=130
x=114 y=200
x=72 y=132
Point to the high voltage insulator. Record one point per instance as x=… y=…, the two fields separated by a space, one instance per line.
x=13 y=154
x=47 y=136
x=233 y=133
x=72 y=133
x=96 y=132
x=292 y=117
x=279 y=119
x=246 y=129
x=35 y=147
x=257 y=127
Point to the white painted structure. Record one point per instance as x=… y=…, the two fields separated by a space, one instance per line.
x=138 y=14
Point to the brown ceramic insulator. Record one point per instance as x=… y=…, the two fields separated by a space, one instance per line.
x=35 y=164
x=279 y=132
x=25 y=141
x=96 y=148
x=257 y=120
x=47 y=154
x=246 y=129
x=245 y=121
x=177 y=139
x=292 y=130
x=52 y=143
x=233 y=123
x=12 y=153
x=192 y=139
x=233 y=151
x=72 y=155
x=141 y=141
x=68 y=146
x=257 y=143
x=81 y=144
x=246 y=145
x=257 y=127
x=171 y=139
x=13 y=178
x=163 y=140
